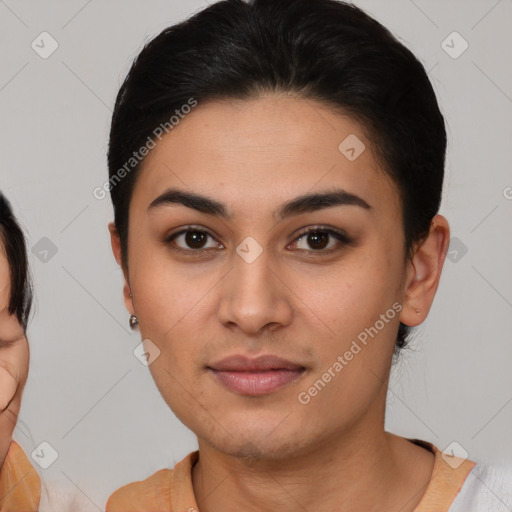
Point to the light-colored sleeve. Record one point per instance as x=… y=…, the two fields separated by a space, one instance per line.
x=20 y=485
x=59 y=496
x=487 y=488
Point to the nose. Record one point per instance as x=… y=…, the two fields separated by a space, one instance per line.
x=254 y=296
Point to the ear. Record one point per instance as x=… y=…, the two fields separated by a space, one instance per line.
x=424 y=272
x=115 y=241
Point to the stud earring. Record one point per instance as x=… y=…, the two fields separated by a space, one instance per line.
x=418 y=312
x=134 y=321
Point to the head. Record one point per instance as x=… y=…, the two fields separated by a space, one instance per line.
x=276 y=172
x=15 y=305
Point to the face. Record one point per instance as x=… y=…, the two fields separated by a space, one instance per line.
x=243 y=275
x=14 y=360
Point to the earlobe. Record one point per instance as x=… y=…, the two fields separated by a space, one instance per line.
x=128 y=299
x=424 y=273
x=115 y=241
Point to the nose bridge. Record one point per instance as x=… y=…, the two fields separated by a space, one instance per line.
x=251 y=274
x=253 y=296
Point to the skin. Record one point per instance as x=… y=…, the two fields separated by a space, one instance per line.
x=268 y=452
x=14 y=361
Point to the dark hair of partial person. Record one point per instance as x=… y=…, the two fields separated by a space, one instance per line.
x=13 y=243
x=324 y=50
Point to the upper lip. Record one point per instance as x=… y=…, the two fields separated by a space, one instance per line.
x=243 y=363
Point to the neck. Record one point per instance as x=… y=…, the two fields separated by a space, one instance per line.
x=358 y=471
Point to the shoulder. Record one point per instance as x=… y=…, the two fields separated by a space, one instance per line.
x=486 y=488
x=157 y=492
x=143 y=494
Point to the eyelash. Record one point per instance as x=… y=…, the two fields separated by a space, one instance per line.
x=339 y=235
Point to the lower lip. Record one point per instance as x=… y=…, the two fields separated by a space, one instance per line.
x=257 y=383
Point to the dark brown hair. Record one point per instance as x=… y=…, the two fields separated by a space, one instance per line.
x=14 y=245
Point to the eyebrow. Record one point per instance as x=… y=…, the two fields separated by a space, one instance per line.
x=301 y=204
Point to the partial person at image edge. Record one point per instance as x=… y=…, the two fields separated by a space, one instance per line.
x=20 y=485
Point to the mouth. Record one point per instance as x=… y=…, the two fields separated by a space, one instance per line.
x=255 y=376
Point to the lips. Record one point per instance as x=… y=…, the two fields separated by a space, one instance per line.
x=255 y=376
x=239 y=363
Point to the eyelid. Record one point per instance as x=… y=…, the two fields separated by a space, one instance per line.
x=9 y=343
x=324 y=228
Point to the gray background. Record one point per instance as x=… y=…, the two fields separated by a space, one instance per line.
x=87 y=395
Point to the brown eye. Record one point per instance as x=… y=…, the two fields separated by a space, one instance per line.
x=190 y=240
x=195 y=239
x=318 y=240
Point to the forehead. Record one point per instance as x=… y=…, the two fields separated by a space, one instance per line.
x=264 y=149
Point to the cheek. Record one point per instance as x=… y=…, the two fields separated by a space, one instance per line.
x=356 y=343
x=170 y=304
x=24 y=360
x=16 y=354
x=16 y=359
x=349 y=297
x=166 y=293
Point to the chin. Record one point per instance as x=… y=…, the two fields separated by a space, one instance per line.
x=259 y=444
x=270 y=452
